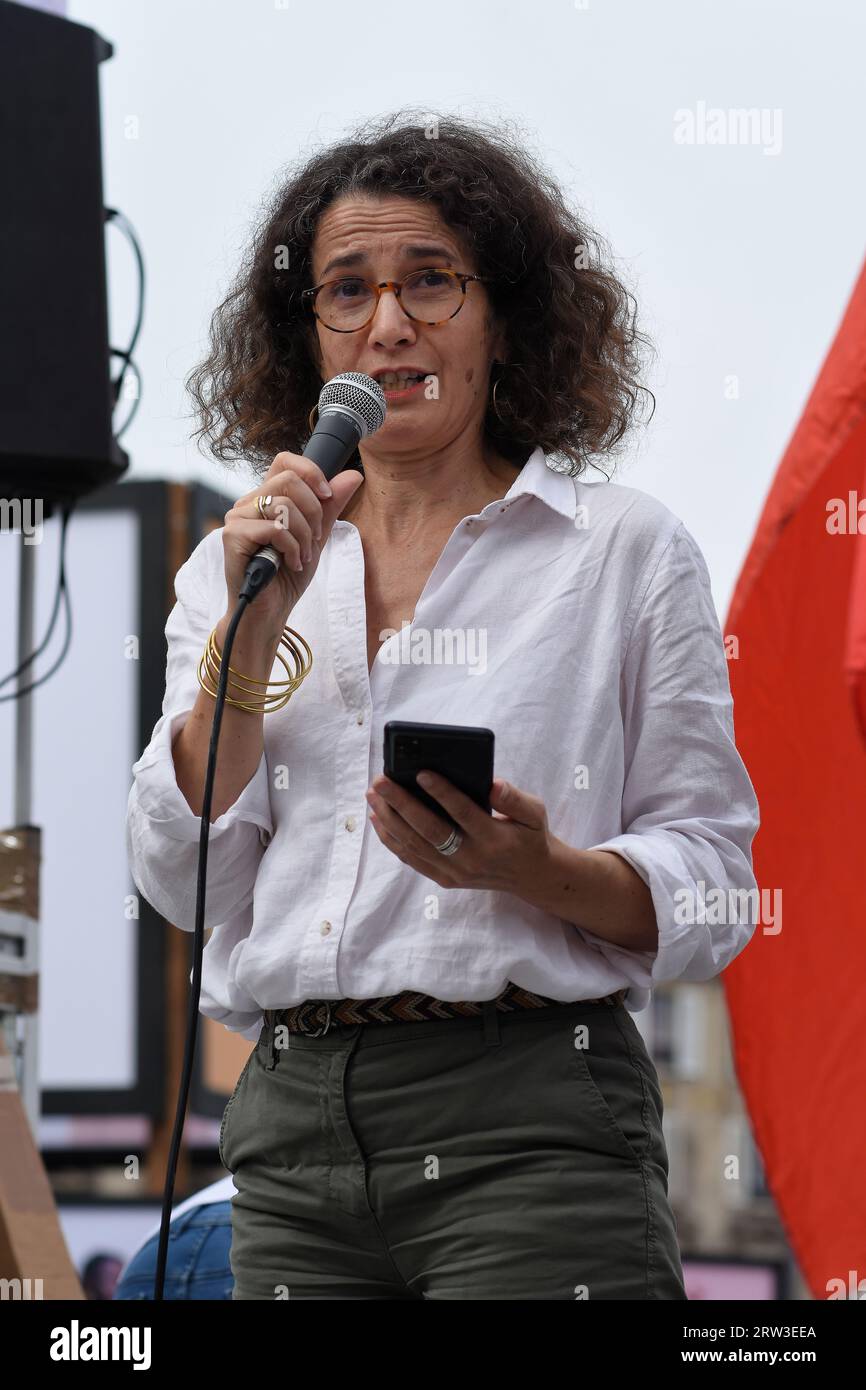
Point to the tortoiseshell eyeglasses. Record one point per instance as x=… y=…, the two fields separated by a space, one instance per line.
x=427 y=296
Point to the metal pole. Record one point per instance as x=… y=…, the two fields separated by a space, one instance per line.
x=29 y=1023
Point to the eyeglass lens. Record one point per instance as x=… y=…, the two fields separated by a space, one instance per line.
x=429 y=295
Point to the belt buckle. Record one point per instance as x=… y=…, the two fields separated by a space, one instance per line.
x=320 y=1032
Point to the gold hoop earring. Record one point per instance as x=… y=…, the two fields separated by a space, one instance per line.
x=495 y=407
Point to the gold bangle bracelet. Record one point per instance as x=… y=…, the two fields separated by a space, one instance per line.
x=253 y=707
x=214 y=663
x=285 y=641
x=211 y=664
x=261 y=703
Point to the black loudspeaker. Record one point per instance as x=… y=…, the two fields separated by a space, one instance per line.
x=56 y=440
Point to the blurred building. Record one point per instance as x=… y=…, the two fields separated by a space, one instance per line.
x=717 y=1182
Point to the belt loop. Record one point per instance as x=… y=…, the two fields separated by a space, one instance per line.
x=491 y=1022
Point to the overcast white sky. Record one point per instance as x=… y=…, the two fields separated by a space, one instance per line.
x=742 y=259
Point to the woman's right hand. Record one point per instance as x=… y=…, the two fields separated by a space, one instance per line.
x=304 y=523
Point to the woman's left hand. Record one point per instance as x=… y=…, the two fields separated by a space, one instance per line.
x=507 y=851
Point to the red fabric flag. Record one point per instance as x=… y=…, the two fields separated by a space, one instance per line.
x=797 y=995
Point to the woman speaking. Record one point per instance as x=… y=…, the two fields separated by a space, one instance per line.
x=449 y=1097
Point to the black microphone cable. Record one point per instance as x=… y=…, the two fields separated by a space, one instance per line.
x=62 y=592
x=351 y=406
x=125 y=226
x=259 y=573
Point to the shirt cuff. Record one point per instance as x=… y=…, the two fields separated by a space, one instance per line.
x=251 y=1034
x=687 y=949
x=235 y=1022
x=164 y=804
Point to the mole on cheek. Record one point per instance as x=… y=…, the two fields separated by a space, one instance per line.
x=469 y=375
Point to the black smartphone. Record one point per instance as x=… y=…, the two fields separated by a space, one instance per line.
x=459 y=752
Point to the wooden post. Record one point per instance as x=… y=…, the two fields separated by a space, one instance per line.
x=33 y=1252
x=177 y=953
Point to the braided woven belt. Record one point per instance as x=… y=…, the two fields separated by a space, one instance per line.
x=315 y=1016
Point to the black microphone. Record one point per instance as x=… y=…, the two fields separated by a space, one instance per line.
x=351 y=406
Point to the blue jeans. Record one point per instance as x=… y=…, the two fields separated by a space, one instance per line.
x=198 y=1258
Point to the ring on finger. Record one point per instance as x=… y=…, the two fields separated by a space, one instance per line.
x=263 y=503
x=452 y=844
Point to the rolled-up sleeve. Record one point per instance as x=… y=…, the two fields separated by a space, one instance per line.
x=162 y=832
x=689 y=810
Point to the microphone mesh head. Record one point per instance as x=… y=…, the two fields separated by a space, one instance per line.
x=359 y=393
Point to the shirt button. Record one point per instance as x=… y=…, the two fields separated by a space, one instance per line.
x=325 y=928
x=350 y=822
x=360 y=716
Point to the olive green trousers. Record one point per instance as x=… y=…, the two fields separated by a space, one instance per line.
x=512 y=1156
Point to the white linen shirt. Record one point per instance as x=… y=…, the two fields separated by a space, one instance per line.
x=588 y=641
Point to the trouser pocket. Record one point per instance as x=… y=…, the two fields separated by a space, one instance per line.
x=614 y=1083
x=227 y=1112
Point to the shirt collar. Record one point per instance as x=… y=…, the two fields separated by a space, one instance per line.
x=538 y=478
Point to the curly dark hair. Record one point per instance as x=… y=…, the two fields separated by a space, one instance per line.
x=566 y=315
